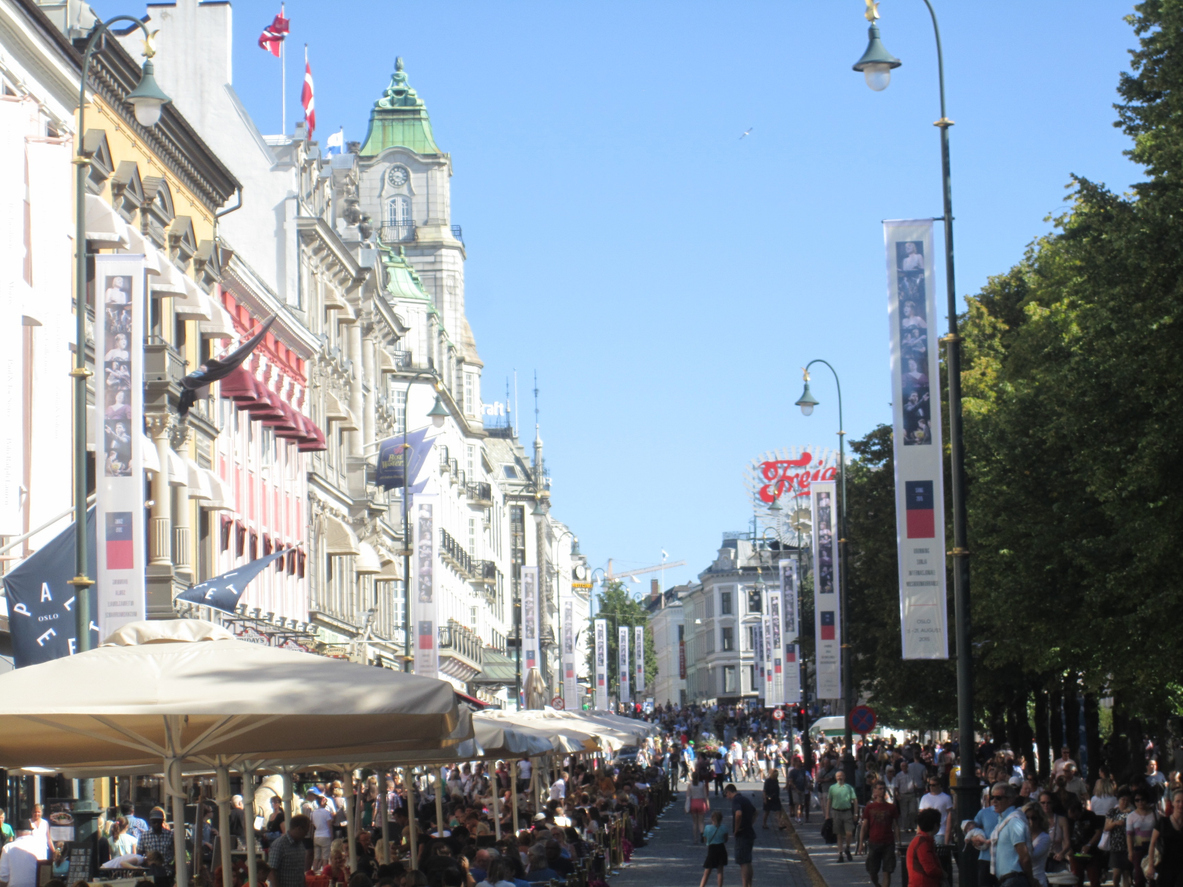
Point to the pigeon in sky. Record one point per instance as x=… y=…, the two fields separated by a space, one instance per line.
x=745 y=135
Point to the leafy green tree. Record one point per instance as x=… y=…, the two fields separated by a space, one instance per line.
x=617 y=607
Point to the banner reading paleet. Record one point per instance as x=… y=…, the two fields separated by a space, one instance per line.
x=917 y=450
x=601 y=665
x=118 y=439
x=826 y=603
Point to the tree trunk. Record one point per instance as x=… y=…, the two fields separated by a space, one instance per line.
x=1023 y=743
x=998 y=725
x=1092 y=735
x=1056 y=722
x=1042 y=736
x=1071 y=717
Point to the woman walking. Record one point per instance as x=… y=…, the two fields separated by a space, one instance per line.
x=772 y=800
x=697 y=804
x=1168 y=837
x=1041 y=841
x=715 y=835
x=1119 y=856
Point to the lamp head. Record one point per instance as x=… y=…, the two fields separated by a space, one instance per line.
x=807 y=401
x=538 y=510
x=877 y=63
x=148 y=99
x=775 y=506
x=438 y=413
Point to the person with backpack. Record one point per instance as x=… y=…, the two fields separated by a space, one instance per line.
x=715 y=836
x=799 y=794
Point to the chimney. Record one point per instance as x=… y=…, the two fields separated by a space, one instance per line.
x=654 y=588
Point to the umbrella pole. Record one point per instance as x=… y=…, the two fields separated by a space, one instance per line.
x=248 y=797
x=382 y=811
x=351 y=818
x=514 y=791
x=439 y=802
x=497 y=809
x=198 y=825
x=223 y=799
x=175 y=788
x=412 y=817
x=286 y=773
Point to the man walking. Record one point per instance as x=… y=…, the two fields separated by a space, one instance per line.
x=844 y=812
x=744 y=829
x=904 y=791
x=287 y=859
x=880 y=831
x=322 y=835
x=1010 y=852
x=18 y=860
x=938 y=800
x=156 y=838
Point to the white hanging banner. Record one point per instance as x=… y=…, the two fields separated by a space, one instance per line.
x=789 y=596
x=776 y=649
x=570 y=685
x=917 y=450
x=792 y=674
x=626 y=695
x=639 y=655
x=423 y=608
x=766 y=632
x=531 y=649
x=119 y=439
x=601 y=664
x=826 y=605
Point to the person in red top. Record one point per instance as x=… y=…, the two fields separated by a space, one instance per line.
x=880 y=832
x=924 y=868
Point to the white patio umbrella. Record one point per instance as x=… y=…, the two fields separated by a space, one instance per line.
x=176 y=690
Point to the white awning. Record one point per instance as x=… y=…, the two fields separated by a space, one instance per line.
x=103 y=224
x=199 y=484
x=221 y=499
x=219 y=325
x=170 y=281
x=336 y=411
x=137 y=243
x=392 y=572
x=178 y=471
x=366 y=563
x=151 y=457
x=194 y=303
x=339 y=538
x=386 y=362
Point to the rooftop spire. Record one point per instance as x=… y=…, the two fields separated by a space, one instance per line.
x=399 y=119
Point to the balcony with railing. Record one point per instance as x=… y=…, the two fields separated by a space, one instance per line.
x=454 y=554
x=461 y=651
x=479 y=494
x=397 y=232
x=484 y=573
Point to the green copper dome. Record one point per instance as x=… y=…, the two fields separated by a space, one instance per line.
x=402 y=282
x=399 y=120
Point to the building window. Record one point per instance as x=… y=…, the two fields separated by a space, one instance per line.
x=729 y=679
x=725 y=603
x=400 y=411
x=472 y=536
x=751 y=638
x=470 y=462
x=728 y=643
x=681 y=632
x=751 y=679
x=710 y=602
x=470 y=405
x=755 y=604
x=398 y=225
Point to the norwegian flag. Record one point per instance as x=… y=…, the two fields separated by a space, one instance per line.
x=273 y=35
x=306 y=98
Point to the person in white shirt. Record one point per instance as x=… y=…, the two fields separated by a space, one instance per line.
x=940 y=801
x=558 y=788
x=525 y=770
x=18 y=860
x=903 y=792
x=41 y=827
x=1062 y=761
x=322 y=832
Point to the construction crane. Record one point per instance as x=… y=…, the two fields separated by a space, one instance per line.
x=610 y=576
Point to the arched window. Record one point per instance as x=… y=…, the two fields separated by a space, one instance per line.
x=397 y=225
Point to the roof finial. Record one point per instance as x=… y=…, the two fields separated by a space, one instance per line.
x=398 y=63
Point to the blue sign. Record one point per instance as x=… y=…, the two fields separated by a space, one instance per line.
x=392 y=459
x=223 y=592
x=862 y=719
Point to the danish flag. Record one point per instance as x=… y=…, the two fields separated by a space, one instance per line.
x=306 y=98
x=273 y=35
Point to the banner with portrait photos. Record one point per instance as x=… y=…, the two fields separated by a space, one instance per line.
x=789 y=598
x=423 y=606
x=827 y=616
x=766 y=631
x=792 y=674
x=758 y=657
x=639 y=656
x=919 y=468
x=773 y=625
x=570 y=684
x=623 y=669
x=601 y=665
x=119 y=439
x=531 y=640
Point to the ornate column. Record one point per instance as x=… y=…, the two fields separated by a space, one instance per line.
x=160 y=565
x=182 y=532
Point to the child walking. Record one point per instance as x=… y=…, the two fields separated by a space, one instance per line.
x=715 y=836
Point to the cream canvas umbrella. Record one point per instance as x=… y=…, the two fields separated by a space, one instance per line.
x=177 y=690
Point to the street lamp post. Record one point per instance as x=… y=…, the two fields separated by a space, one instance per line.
x=807 y=402
x=877 y=58
x=437 y=415
x=147 y=100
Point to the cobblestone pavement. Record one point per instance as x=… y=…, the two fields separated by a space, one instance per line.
x=671 y=859
x=824 y=857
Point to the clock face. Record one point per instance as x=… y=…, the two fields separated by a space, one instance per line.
x=580 y=572
x=398 y=176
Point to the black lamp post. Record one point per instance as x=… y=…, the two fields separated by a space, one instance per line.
x=876 y=65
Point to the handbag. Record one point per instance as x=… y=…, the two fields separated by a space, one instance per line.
x=828 y=832
x=686 y=806
x=1103 y=844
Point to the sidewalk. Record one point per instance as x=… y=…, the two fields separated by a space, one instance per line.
x=824 y=857
x=671 y=859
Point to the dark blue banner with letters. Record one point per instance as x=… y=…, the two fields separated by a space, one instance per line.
x=223 y=592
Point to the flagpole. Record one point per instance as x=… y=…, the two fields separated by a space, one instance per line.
x=283 y=81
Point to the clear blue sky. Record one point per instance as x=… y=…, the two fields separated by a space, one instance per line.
x=666 y=279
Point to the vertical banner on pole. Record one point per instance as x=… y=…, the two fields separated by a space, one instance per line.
x=530 y=647
x=623 y=664
x=792 y=674
x=919 y=463
x=776 y=648
x=423 y=609
x=601 y=663
x=826 y=606
x=766 y=631
x=758 y=657
x=119 y=440
x=570 y=685
x=790 y=599
x=639 y=655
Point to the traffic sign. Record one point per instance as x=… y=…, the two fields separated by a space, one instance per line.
x=862 y=719
x=557 y=703
x=778 y=715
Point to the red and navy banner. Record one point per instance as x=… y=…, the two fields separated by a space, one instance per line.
x=625 y=693
x=827 y=612
x=570 y=684
x=639 y=660
x=916 y=408
x=531 y=616
x=423 y=607
x=119 y=439
x=601 y=665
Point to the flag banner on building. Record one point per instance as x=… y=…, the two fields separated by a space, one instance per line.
x=790 y=601
x=217 y=368
x=757 y=658
x=916 y=415
x=682 y=660
x=601 y=664
x=639 y=655
x=393 y=459
x=118 y=440
x=776 y=649
x=423 y=606
x=792 y=674
x=826 y=582
x=335 y=144
x=306 y=97
x=531 y=646
x=623 y=663
x=41 y=614
x=274 y=34
x=570 y=683
x=223 y=592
